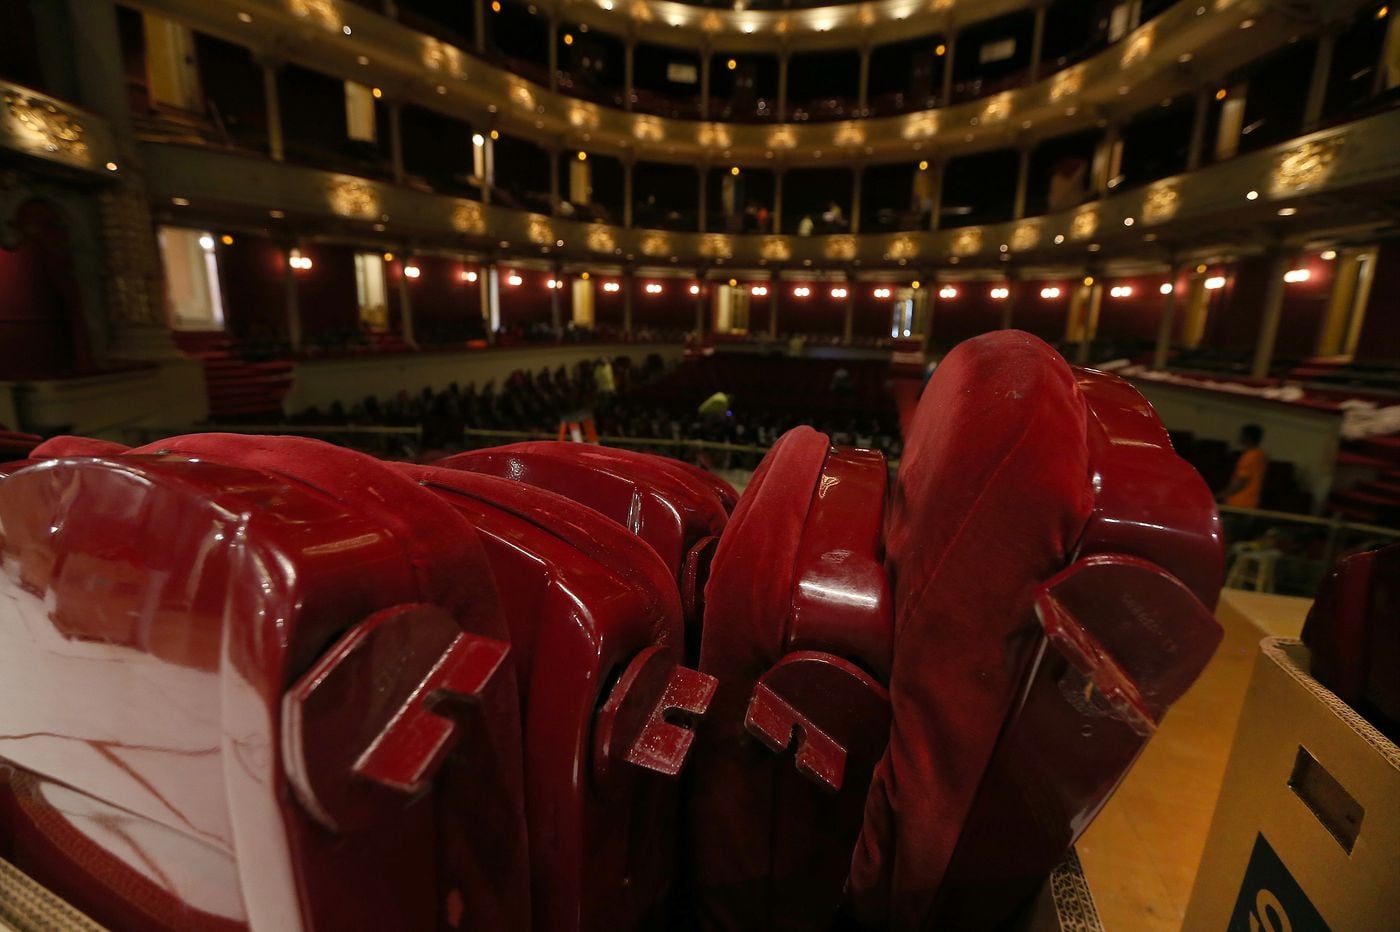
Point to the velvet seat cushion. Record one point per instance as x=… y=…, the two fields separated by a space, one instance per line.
x=67 y=445
x=991 y=497
x=747 y=607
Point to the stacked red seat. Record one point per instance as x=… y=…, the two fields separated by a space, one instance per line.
x=317 y=690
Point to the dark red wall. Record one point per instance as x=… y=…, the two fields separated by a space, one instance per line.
x=254 y=306
x=33 y=333
x=1380 y=332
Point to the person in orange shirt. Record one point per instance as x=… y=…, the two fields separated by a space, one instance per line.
x=1248 y=479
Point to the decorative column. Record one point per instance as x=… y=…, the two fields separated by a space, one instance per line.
x=701 y=213
x=629 y=78
x=406 y=303
x=705 y=56
x=932 y=300
x=629 y=287
x=1037 y=43
x=1104 y=164
x=1023 y=177
x=1317 y=88
x=1162 y=351
x=1089 y=323
x=395 y=141
x=783 y=58
x=773 y=304
x=700 y=297
x=858 y=172
x=556 y=316
x=554 y=182
x=935 y=194
x=291 y=304
x=272 y=104
x=627 y=197
x=778 y=200
x=1196 y=148
x=952 y=44
x=480 y=26
x=1008 y=304
x=1279 y=263
x=848 y=325
x=553 y=54
x=863 y=82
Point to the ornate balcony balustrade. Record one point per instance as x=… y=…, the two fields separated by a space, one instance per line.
x=1313 y=174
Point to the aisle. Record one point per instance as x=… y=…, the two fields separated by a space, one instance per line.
x=1140 y=855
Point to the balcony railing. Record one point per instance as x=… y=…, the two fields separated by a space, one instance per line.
x=46 y=128
x=1310 y=168
x=356 y=44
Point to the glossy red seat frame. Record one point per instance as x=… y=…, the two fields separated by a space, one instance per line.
x=192 y=764
x=798 y=630
x=598 y=634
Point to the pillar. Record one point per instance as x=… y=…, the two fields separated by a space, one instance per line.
x=553 y=54
x=1163 y=348
x=406 y=303
x=273 y=105
x=1008 y=305
x=554 y=181
x=858 y=172
x=700 y=214
x=1103 y=165
x=627 y=197
x=848 y=325
x=291 y=305
x=931 y=286
x=1037 y=43
x=489 y=302
x=395 y=141
x=1317 y=88
x=629 y=288
x=1196 y=149
x=629 y=77
x=1089 y=325
x=1023 y=177
x=952 y=44
x=936 y=194
x=705 y=56
x=778 y=201
x=556 y=316
x=863 y=83
x=783 y=58
x=480 y=27
x=773 y=304
x=1279 y=263
x=700 y=299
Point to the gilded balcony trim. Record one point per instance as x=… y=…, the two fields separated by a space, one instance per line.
x=44 y=127
x=419 y=69
x=220 y=182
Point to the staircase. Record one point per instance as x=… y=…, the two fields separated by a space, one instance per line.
x=237 y=388
x=1375 y=500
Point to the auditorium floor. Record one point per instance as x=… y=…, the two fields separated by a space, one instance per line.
x=1140 y=855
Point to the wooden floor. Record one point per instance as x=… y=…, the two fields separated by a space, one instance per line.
x=1140 y=854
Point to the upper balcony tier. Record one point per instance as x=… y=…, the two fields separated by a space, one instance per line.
x=1342 y=175
x=1185 y=48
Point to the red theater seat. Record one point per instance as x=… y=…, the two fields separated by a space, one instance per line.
x=1036 y=646
x=598 y=634
x=56 y=447
x=798 y=630
x=664 y=502
x=274 y=693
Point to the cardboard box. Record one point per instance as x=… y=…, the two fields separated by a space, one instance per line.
x=1306 y=832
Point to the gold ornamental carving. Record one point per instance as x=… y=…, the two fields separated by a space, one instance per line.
x=54 y=129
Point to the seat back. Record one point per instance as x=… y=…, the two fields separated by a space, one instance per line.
x=798 y=632
x=205 y=656
x=597 y=625
x=661 y=501
x=1019 y=533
